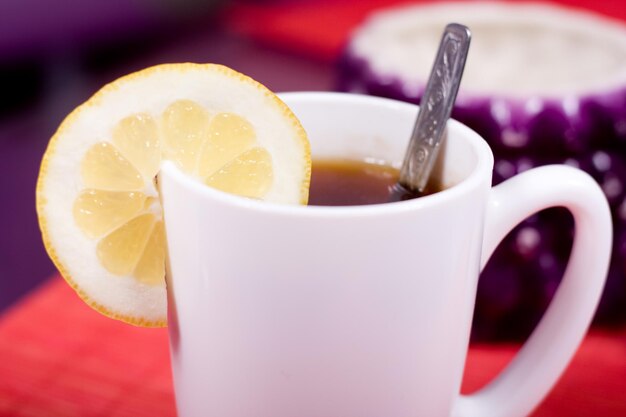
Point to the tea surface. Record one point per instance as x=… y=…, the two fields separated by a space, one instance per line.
x=344 y=182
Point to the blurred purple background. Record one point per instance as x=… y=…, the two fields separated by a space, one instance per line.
x=54 y=55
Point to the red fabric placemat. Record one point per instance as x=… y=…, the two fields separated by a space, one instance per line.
x=320 y=28
x=59 y=358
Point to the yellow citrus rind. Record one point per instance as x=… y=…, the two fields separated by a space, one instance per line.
x=127 y=311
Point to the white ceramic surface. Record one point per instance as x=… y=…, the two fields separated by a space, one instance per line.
x=290 y=311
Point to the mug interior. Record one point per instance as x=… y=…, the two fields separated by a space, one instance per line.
x=377 y=130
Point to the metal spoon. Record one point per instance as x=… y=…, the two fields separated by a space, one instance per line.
x=435 y=108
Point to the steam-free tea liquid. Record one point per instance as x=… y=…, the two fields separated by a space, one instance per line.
x=344 y=182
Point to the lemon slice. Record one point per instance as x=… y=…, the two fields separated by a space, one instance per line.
x=97 y=197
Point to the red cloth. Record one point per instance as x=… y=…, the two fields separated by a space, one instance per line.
x=59 y=358
x=320 y=28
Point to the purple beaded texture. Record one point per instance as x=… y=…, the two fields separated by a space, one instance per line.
x=586 y=131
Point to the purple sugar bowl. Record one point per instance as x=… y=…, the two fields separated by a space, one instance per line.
x=585 y=130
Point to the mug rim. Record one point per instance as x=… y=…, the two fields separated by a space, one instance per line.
x=482 y=168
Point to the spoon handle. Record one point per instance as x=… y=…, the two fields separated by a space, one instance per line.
x=435 y=107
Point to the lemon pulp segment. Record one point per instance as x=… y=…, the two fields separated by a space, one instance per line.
x=118 y=204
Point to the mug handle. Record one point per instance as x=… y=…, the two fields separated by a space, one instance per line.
x=519 y=388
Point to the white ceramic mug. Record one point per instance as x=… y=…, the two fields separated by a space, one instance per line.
x=291 y=311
